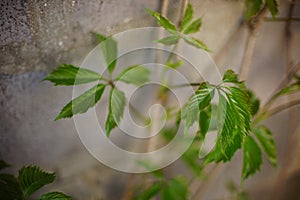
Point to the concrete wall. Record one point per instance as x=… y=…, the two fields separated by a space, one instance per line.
x=38 y=35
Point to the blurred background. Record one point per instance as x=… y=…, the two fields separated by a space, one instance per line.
x=36 y=36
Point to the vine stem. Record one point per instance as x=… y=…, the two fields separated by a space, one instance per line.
x=253 y=26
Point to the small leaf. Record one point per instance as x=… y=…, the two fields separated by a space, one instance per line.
x=175 y=65
x=194 y=27
x=188 y=15
x=32 y=178
x=204 y=120
x=101 y=37
x=137 y=75
x=196 y=43
x=295 y=87
x=252 y=7
x=110 y=52
x=82 y=103
x=162 y=21
x=197 y=102
x=273 y=7
x=71 y=75
x=55 y=196
x=9 y=188
x=170 y=40
x=3 y=164
x=252 y=158
x=176 y=189
x=230 y=76
x=150 y=192
x=265 y=137
x=116 y=109
x=254 y=102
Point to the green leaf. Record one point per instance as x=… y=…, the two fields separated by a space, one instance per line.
x=10 y=188
x=295 y=87
x=150 y=192
x=230 y=77
x=204 y=120
x=252 y=7
x=110 y=51
x=170 y=40
x=116 y=109
x=162 y=21
x=188 y=15
x=273 y=7
x=100 y=37
x=3 y=164
x=194 y=27
x=55 y=196
x=196 y=43
x=265 y=138
x=198 y=102
x=254 y=102
x=137 y=75
x=175 y=189
x=174 y=65
x=32 y=178
x=252 y=158
x=82 y=103
x=70 y=75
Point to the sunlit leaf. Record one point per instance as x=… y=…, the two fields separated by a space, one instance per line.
x=136 y=75
x=194 y=27
x=117 y=105
x=265 y=138
x=170 y=40
x=109 y=48
x=230 y=77
x=32 y=178
x=196 y=43
x=70 y=75
x=162 y=21
x=252 y=158
x=188 y=16
x=82 y=103
x=175 y=65
x=198 y=102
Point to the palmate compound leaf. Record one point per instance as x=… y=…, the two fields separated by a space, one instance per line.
x=265 y=138
x=116 y=108
x=109 y=48
x=252 y=158
x=200 y=100
x=32 y=178
x=55 y=196
x=162 y=21
x=187 y=17
x=137 y=75
x=82 y=103
x=67 y=74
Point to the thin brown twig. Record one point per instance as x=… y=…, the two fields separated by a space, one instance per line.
x=253 y=25
x=282 y=107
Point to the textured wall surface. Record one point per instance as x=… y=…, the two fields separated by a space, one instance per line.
x=38 y=35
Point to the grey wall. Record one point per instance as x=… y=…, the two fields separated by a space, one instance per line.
x=38 y=35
